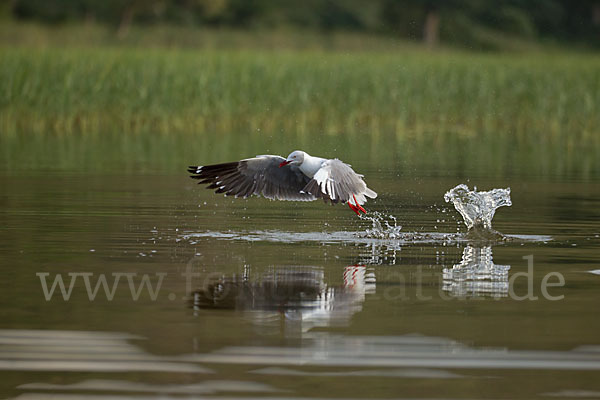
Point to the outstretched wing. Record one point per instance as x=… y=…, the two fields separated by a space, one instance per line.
x=260 y=175
x=336 y=181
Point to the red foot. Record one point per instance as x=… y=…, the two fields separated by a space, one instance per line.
x=353 y=208
x=358 y=205
x=356 y=208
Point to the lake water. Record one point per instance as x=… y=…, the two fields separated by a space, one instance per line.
x=294 y=300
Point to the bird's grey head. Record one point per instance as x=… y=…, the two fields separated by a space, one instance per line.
x=295 y=158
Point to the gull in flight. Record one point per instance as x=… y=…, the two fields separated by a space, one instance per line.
x=299 y=177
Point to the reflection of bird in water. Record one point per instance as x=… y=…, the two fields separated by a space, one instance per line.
x=298 y=295
x=299 y=177
x=476 y=275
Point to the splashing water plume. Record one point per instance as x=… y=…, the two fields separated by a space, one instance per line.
x=477 y=208
x=390 y=231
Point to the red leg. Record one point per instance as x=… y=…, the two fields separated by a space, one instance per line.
x=353 y=208
x=358 y=205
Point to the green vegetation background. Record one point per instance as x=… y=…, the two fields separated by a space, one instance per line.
x=83 y=96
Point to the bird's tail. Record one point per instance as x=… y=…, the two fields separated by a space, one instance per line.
x=370 y=193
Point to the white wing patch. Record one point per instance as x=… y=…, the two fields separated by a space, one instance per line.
x=326 y=183
x=339 y=181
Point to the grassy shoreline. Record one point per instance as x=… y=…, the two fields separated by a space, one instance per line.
x=542 y=103
x=409 y=93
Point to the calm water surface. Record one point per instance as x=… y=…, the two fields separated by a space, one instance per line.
x=294 y=300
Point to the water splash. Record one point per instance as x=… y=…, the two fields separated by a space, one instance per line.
x=384 y=226
x=385 y=229
x=477 y=208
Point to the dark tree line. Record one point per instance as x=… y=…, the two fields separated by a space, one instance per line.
x=466 y=22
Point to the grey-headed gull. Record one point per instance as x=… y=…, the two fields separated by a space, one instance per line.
x=299 y=177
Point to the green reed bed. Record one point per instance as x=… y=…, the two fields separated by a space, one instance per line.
x=383 y=99
x=196 y=91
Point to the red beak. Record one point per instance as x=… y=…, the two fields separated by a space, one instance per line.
x=284 y=163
